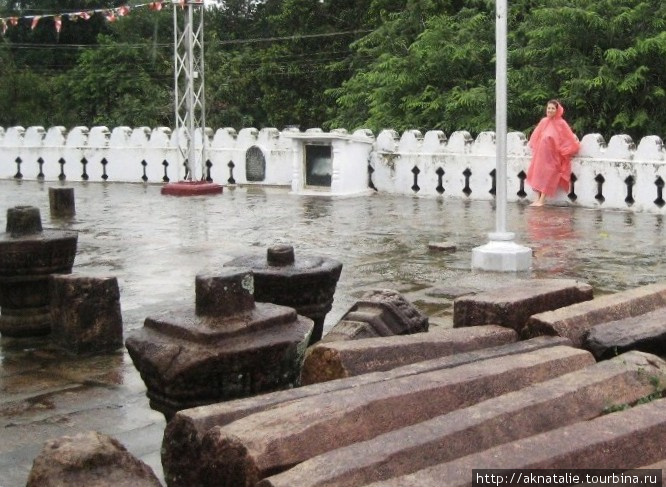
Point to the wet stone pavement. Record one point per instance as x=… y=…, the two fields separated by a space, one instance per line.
x=155 y=245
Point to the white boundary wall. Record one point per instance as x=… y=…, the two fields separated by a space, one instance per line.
x=617 y=175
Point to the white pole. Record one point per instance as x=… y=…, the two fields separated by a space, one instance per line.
x=501 y=253
x=500 y=115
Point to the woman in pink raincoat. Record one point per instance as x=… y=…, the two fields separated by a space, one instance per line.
x=553 y=143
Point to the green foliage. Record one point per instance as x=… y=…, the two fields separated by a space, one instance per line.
x=119 y=84
x=401 y=64
x=604 y=60
x=23 y=94
x=282 y=79
x=432 y=69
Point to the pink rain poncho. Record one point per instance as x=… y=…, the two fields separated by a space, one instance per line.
x=553 y=143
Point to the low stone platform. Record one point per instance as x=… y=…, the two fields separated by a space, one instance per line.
x=512 y=306
x=580 y=395
x=191 y=188
x=245 y=451
x=645 y=332
x=574 y=321
x=627 y=439
x=181 y=446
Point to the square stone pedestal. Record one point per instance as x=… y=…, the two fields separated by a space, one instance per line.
x=85 y=313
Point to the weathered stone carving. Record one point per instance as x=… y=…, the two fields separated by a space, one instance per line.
x=28 y=256
x=85 y=313
x=307 y=284
x=381 y=312
x=89 y=460
x=227 y=347
x=255 y=164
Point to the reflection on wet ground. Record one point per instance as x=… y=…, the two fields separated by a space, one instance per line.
x=156 y=244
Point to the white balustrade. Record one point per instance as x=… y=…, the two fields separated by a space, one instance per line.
x=618 y=174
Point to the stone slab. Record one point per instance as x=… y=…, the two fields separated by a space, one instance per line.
x=580 y=395
x=512 y=305
x=335 y=360
x=574 y=321
x=245 y=451
x=626 y=439
x=184 y=432
x=644 y=332
x=450 y=292
x=442 y=246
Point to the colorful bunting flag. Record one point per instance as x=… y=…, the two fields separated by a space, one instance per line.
x=110 y=15
x=79 y=15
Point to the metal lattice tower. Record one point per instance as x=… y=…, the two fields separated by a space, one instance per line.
x=189 y=95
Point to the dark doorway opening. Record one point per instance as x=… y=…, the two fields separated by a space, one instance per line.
x=318 y=165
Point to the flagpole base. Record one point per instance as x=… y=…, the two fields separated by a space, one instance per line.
x=502 y=254
x=191 y=188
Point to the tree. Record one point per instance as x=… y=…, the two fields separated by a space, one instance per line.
x=120 y=84
x=293 y=52
x=401 y=64
x=603 y=59
x=35 y=59
x=430 y=67
x=24 y=96
x=433 y=66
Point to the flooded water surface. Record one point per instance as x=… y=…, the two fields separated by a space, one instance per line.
x=155 y=245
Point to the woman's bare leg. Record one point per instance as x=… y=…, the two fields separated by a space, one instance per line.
x=540 y=201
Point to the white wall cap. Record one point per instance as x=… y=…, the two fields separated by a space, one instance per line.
x=651 y=149
x=592 y=145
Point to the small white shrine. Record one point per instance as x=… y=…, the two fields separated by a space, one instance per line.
x=333 y=163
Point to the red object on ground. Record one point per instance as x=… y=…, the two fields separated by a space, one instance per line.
x=191 y=188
